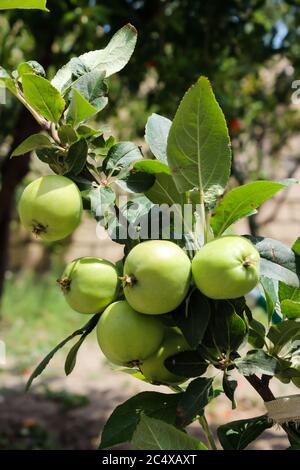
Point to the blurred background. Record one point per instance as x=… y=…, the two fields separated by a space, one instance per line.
x=250 y=50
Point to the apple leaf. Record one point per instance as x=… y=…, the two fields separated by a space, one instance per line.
x=164 y=191
x=122 y=423
x=31 y=66
x=8 y=81
x=76 y=157
x=283 y=333
x=136 y=182
x=43 y=96
x=156 y=135
x=186 y=364
x=121 y=157
x=270 y=288
x=79 y=110
x=229 y=387
x=192 y=317
x=33 y=142
x=93 y=88
x=242 y=201
x=85 y=330
x=152 y=166
x=110 y=60
x=198 y=147
x=67 y=134
x=154 y=434
x=23 y=4
x=257 y=362
x=289 y=300
x=237 y=435
x=278 y=261
x=193 y=401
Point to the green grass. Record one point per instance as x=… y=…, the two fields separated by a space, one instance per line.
x=35 y=317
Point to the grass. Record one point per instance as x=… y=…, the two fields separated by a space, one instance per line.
x=34 y=317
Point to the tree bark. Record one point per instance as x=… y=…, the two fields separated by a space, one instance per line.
x=12 y=172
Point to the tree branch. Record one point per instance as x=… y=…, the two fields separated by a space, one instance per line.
x=261 y=386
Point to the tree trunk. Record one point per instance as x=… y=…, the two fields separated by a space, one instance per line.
x=12 y=172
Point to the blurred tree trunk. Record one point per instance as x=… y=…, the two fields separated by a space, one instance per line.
x=12 y=172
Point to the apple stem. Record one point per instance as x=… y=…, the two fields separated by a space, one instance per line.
x=128 y=280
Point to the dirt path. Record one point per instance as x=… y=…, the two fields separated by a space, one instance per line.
x=56 y=414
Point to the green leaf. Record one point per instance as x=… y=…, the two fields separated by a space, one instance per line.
x=154 y=434
x=109 y=60
x=296 y=246
x=283 y=333
x=23 y=4
x=164 y=191
x=80 y=109
x=8 y=81
x=289 y=300
x=76 y=157
x=31 y=66
x=93 y=88
x=87 y=131
x=135 y=182
x=121 y=156
x=278 y=261
x=122 y=423
x=290 y=309
x=67 y=134
x=187 y=364
x=192 y=317
x=86 y=329
x=237 y=435
x=257 y=362
x=101 y=198
x=226 y=330
x=256 y=334
x=33 y=142
x=43 y=96
x=198 y=145
x=270 y=287
x=72 y=356
x=242 y=201
x=193 y=401
x=156 y=136
x=152 y=166
x=229 y=387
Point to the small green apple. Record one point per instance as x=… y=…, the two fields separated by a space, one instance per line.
x=127 y=337
x=226 y=268
x=154 y=368
x=51 y=207
x=89 y=284
x=157 y=276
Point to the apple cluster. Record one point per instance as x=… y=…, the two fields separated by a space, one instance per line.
x=157 y=276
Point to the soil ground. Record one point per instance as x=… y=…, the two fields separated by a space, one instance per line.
x=69 y=412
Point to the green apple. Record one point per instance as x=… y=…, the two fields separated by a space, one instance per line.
x=89 y=284
x=226 y=268
x=126 y=337
x=51 y=207
x=157 y=276
x=154 y=368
